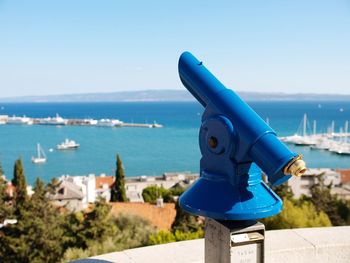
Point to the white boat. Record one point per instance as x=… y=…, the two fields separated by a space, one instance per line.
x=341 y=149
x=58 y=120
x=68 y=145
x=19 y=120
x=41 y=157
x=304 y=139
x=156 y=125
x=90 y=121
x=109 y=123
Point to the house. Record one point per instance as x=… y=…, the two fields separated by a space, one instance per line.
x=11 y=189
x=69 y=195
x=86 y=184
x=103 y=185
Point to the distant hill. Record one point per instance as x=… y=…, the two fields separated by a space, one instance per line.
x=171 y=95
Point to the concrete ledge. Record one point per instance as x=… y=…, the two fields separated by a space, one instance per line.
x=328 y=244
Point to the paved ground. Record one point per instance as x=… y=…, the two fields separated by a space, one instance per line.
x=329 y=244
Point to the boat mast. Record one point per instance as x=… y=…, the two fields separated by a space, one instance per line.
x=346 y=127
x=38 y=148
x=304 y=125
x=314 y=127
x=341 y=134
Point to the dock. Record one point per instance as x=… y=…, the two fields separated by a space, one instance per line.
x=59 y=121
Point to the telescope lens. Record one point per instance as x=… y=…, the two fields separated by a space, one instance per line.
x=295 y=167
x=213 y=142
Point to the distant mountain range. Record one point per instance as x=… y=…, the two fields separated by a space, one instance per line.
x=171 y=95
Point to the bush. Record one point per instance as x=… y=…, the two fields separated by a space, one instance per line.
x=151 y=193
x=294 y=216
x=163 y=237
x=133 y=231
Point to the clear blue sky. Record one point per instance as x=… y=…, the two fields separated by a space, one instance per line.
x=78 y=46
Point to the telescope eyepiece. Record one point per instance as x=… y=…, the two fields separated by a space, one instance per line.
x=295 y=167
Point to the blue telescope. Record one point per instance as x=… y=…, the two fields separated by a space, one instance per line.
x=236 y=146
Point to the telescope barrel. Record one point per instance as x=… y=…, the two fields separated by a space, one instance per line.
x=256 y=140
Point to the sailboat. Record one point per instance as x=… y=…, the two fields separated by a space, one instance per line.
x=41 y=157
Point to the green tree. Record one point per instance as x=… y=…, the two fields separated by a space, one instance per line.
x=73 y=229
x=19 y=181
x=152 y=192
x=132 y=231
x=118 y=193
x=1 y=170
x=4 y=207
x=295 y=216
x=283 y=191
x=185 y=222
x=321 y=197
x=38 y=234
x=98 y=224
x=53 y=185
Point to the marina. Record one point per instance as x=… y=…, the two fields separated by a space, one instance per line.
x=331 y=141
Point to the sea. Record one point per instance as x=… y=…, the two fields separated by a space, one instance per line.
x=145 y=151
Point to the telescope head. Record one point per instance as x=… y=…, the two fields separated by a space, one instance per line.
x=236 y=144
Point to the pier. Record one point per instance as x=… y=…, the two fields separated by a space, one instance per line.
x=59 y=121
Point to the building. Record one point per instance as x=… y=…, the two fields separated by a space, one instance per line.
x=86 y=184
x=68 y=195
x=301 y=185
x=135 y=185
x=344 y=175
x=103 y=185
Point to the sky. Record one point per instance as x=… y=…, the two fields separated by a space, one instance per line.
x=82 y=46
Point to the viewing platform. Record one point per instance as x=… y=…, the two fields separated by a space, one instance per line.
x=328 y=244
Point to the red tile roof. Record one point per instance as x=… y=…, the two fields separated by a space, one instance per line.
x=102 y=180
x=344 y=175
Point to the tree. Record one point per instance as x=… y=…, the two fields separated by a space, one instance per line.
x=294 y=216
x=118 y=193
x=152 y=192
x=4 y=207
x=185 y=222
x=321 y=197
x=98 y=224
x=38 y=234
x=19 y=181
x=132 y=231
x=283 y=191
x=1 y=170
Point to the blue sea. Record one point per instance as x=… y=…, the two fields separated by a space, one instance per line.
x=144 y=151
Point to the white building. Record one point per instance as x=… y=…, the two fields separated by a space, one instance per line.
x=87 y=185
x=301 y=185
